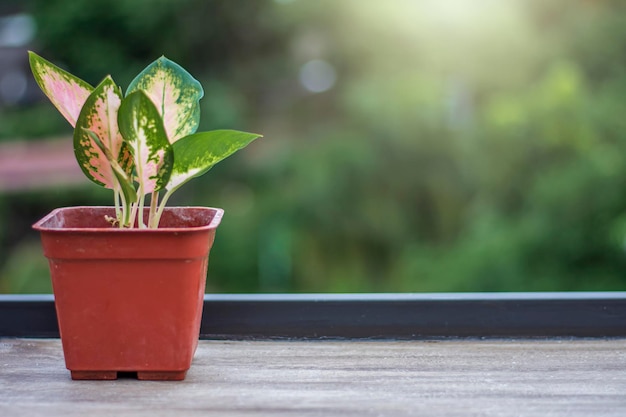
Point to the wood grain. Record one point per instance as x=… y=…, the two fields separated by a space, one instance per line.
x=335 y=378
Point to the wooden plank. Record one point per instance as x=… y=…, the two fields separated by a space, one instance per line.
x=371 y=316
x=367 y=378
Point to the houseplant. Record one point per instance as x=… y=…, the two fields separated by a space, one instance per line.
x=129 y=279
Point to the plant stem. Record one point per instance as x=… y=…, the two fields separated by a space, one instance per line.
x=141 y=197
x=123 y=216
x=133 y=215
x=154 y=201
x=159 y=211
x=116 y=199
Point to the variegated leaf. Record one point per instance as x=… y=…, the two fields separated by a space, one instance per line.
x=124 y=179
x=67 y=92
x=99 y=115
x=196 y=154
x=175 y=93
x=142 y=128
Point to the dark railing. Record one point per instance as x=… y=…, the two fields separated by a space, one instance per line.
x=371 y=316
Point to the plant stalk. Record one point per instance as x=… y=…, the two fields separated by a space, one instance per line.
x=154 y=202
x=116 y=199
x=141 y=197
x=161 y=208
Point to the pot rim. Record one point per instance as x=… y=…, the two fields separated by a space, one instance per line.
x=42 y=227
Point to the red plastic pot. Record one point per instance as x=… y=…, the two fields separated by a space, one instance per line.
x=128 y=300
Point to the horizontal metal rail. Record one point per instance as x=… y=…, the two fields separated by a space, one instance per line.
x=371 y=316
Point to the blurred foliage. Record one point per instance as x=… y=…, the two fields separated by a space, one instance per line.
x=461 y=145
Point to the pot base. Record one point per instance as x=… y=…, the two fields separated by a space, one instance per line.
x=142 y=375
x=93 y=375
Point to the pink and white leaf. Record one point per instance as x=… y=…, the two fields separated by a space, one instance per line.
x=67 y=92
x=99 y=116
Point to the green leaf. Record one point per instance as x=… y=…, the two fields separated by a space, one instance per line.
x=99 y=116
x=196 y=154
x=142 y=128
x=67 y=92
x=175 y=93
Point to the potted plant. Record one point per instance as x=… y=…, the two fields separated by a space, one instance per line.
x=129 y=279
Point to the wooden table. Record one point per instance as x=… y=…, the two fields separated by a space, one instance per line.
x=462 y=377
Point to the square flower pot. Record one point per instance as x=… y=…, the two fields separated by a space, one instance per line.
x=128 y=300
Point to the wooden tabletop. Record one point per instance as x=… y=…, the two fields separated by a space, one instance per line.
x=574 y=377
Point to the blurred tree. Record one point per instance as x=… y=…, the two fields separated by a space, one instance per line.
x=409 y=146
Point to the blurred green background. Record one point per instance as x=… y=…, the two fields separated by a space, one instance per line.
x=457 y=145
